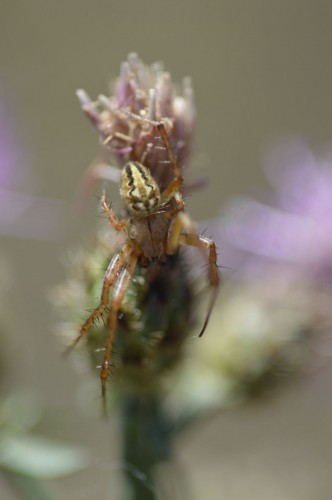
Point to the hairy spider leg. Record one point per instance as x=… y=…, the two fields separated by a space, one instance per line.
x=179 y=206
x=164 y=136
x=177 y=182
x=177 y=237
x=111 y=276
x=119 y=225
x=119 y=293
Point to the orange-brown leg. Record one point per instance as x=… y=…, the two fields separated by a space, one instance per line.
x=214 y=278
x=176 y=237
x=111 y=276
x=120 y=290
x=119 y=225
x=164 y=136
x=180 y=222
x=175 y=185
x=179 y=207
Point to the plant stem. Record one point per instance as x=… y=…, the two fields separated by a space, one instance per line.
x=146 y=443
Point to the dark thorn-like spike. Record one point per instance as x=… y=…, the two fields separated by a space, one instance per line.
x=211 y=305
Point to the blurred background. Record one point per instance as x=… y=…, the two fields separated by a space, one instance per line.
x=261 y=73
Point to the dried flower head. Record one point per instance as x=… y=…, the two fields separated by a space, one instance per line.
x=147 y=92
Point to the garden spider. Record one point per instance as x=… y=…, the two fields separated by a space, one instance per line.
x=156 y=225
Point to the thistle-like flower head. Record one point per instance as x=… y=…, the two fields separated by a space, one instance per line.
x=146 y=92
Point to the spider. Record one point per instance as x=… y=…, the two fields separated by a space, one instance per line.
x=155 y=225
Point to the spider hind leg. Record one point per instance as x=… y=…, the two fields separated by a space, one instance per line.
x=182 y=232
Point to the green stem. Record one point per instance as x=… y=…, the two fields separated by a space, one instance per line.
x=146 y=444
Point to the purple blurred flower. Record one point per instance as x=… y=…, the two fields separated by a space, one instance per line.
x=23 y=215
x=297 y=230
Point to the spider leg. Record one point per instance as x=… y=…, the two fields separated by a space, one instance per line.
x=179 y=206
x=164 y=136
x=111 y=276
x=214 y=278
x=177 y=182
x=146 y=151
x=179 y=222
x=120 y=290
x=177 y=237
x=119 y=225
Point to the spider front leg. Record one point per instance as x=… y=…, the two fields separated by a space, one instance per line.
x=119 y=225
x=173 y=188
x=119 y=293
x=177 y=237
x=111 y=276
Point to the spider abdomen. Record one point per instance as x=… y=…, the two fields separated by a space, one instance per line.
x=139 y=190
